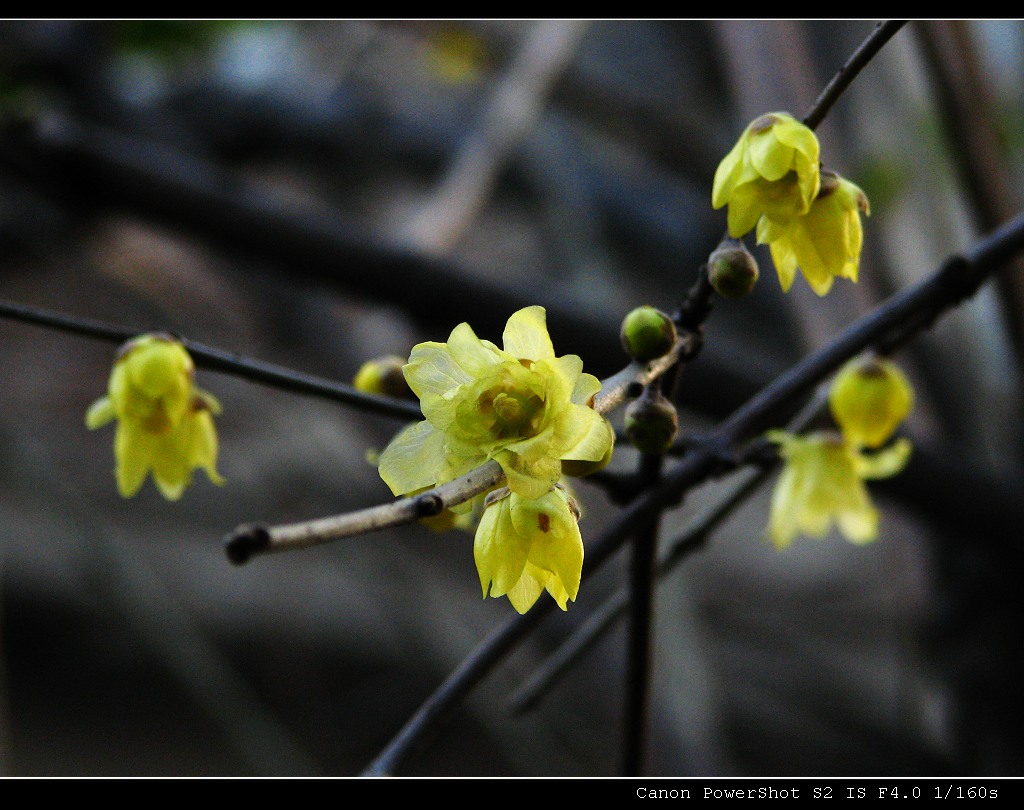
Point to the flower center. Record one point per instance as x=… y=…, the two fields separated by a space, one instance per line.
x=516 y=413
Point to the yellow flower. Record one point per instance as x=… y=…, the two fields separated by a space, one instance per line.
x=823 y=483
x=825 y=242
x=520 y=405
x=771 y=172
x=382 y=375
x=869 y=399
x=525 y=546
x=164 y=423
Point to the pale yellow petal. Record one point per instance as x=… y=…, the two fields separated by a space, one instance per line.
x=727 y=174
x=526 y=591
x=133 y=449
x=785 y=263
x=526 y=335
x=100 y=413
x=204 y=446
x=412 y=459
x=499 y=551
x=886 y=462
x=597 y=440
x=771 y=158
x=475 y=356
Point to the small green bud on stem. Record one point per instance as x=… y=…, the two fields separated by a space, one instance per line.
x=651 y=422
x=647 y=333
x=732 y=269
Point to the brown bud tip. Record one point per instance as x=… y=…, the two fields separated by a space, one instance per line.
x=651 y=422
x=732 y=269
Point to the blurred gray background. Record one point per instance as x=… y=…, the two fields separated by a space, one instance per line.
x=315 y=193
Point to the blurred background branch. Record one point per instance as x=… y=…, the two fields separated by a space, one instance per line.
x=247 y=183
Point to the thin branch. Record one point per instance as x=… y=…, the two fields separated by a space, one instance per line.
x=883 y=32
x=959 y=278
x=221 y=361
x=251 y=539
x=511 y=110
x=695 y=536
x=644 y=552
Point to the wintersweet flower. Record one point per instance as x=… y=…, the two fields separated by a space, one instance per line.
x=825 y=242
x=164 y=423
x=869 y=398
x=526 y=546
x=822 y=484
x=771 y=172
x=519 y=405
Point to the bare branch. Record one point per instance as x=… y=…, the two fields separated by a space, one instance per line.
x=222 y=361
x=512 y=109
x=251 y=539
x=848 y=72
x=956 y=280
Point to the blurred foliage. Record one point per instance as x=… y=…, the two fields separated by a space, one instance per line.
x=173 y=40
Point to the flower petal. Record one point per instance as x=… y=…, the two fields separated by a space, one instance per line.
x=499 y=550
x=412 y=459
x=133 y=449
x=526 y=335
x=100 y=413
x=886 y=462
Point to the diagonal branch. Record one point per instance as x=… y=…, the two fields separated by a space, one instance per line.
x=251 y=539
x=848 y=72
x=956 y=280
x=695 y=536
x=221 y=361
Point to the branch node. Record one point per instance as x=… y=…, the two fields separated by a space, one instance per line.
x=245 y=541
x=429 y=504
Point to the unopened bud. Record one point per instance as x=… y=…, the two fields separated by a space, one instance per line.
x=647 y=333
x=869 y=399
x=383 y=375
x=732 y=269
x=651 y=422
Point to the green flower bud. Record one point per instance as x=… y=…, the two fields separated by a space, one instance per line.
x=651 y=422
x=647 y=333
x=869 y=399
x=732 y=269
x=383 y=375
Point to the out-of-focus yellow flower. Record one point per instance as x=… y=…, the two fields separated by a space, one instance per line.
x=771 y=172
x=164 y=423
x=823 y=483
x=825 y=242
x=383 y=375
x=869 y=398
x=520 y=405
x=457 y=56
x=526 y=546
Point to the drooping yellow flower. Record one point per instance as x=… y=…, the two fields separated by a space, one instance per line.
x=520 y=405
x=382 y=375
x=823 y=483
x=771 y=172
x=825 y=242
x=526 y=546
x=869 y=398
x=164 y=423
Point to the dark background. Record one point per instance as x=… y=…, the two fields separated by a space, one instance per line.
x=314 y=193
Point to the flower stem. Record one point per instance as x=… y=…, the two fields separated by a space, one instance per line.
x=858 y=60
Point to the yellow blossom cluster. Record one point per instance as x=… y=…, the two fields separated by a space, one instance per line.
x=164 y=423
x=822 y=482
x=530 y=411
x=771 y=180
